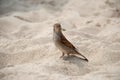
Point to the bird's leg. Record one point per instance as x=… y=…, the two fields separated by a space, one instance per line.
x=62 y=54
x=68 y=54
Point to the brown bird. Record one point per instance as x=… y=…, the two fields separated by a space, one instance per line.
x=62 y=43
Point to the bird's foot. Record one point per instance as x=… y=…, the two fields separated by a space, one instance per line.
x=62 y=55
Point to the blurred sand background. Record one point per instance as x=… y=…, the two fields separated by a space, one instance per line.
x=27 y=51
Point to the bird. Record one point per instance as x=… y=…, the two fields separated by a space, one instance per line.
x=61 y=42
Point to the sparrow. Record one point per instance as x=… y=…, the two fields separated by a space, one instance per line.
x=63 y=44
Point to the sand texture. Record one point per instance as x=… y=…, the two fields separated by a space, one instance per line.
x=27 y=51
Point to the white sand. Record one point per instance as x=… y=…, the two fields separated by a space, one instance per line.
x=28 y=53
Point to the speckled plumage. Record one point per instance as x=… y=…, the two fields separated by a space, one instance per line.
x=62 y=43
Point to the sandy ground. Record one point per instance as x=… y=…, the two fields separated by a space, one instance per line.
x=27 y=51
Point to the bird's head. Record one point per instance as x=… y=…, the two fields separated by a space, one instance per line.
x=57 y=27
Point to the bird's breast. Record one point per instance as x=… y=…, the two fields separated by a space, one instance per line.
x=57 y=40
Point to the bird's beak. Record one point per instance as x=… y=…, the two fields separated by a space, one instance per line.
x=63 y=29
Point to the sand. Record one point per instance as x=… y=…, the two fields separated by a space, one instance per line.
x=27 y=51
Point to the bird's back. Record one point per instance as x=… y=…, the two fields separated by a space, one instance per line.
x=60 y=40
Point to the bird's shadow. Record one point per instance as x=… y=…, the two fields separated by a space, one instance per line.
x=75 y=60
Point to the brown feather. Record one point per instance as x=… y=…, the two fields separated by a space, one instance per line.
x=66 y=42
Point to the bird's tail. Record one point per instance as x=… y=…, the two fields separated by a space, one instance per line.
x=82 y=56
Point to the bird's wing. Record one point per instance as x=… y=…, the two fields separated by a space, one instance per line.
x=66 y=42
